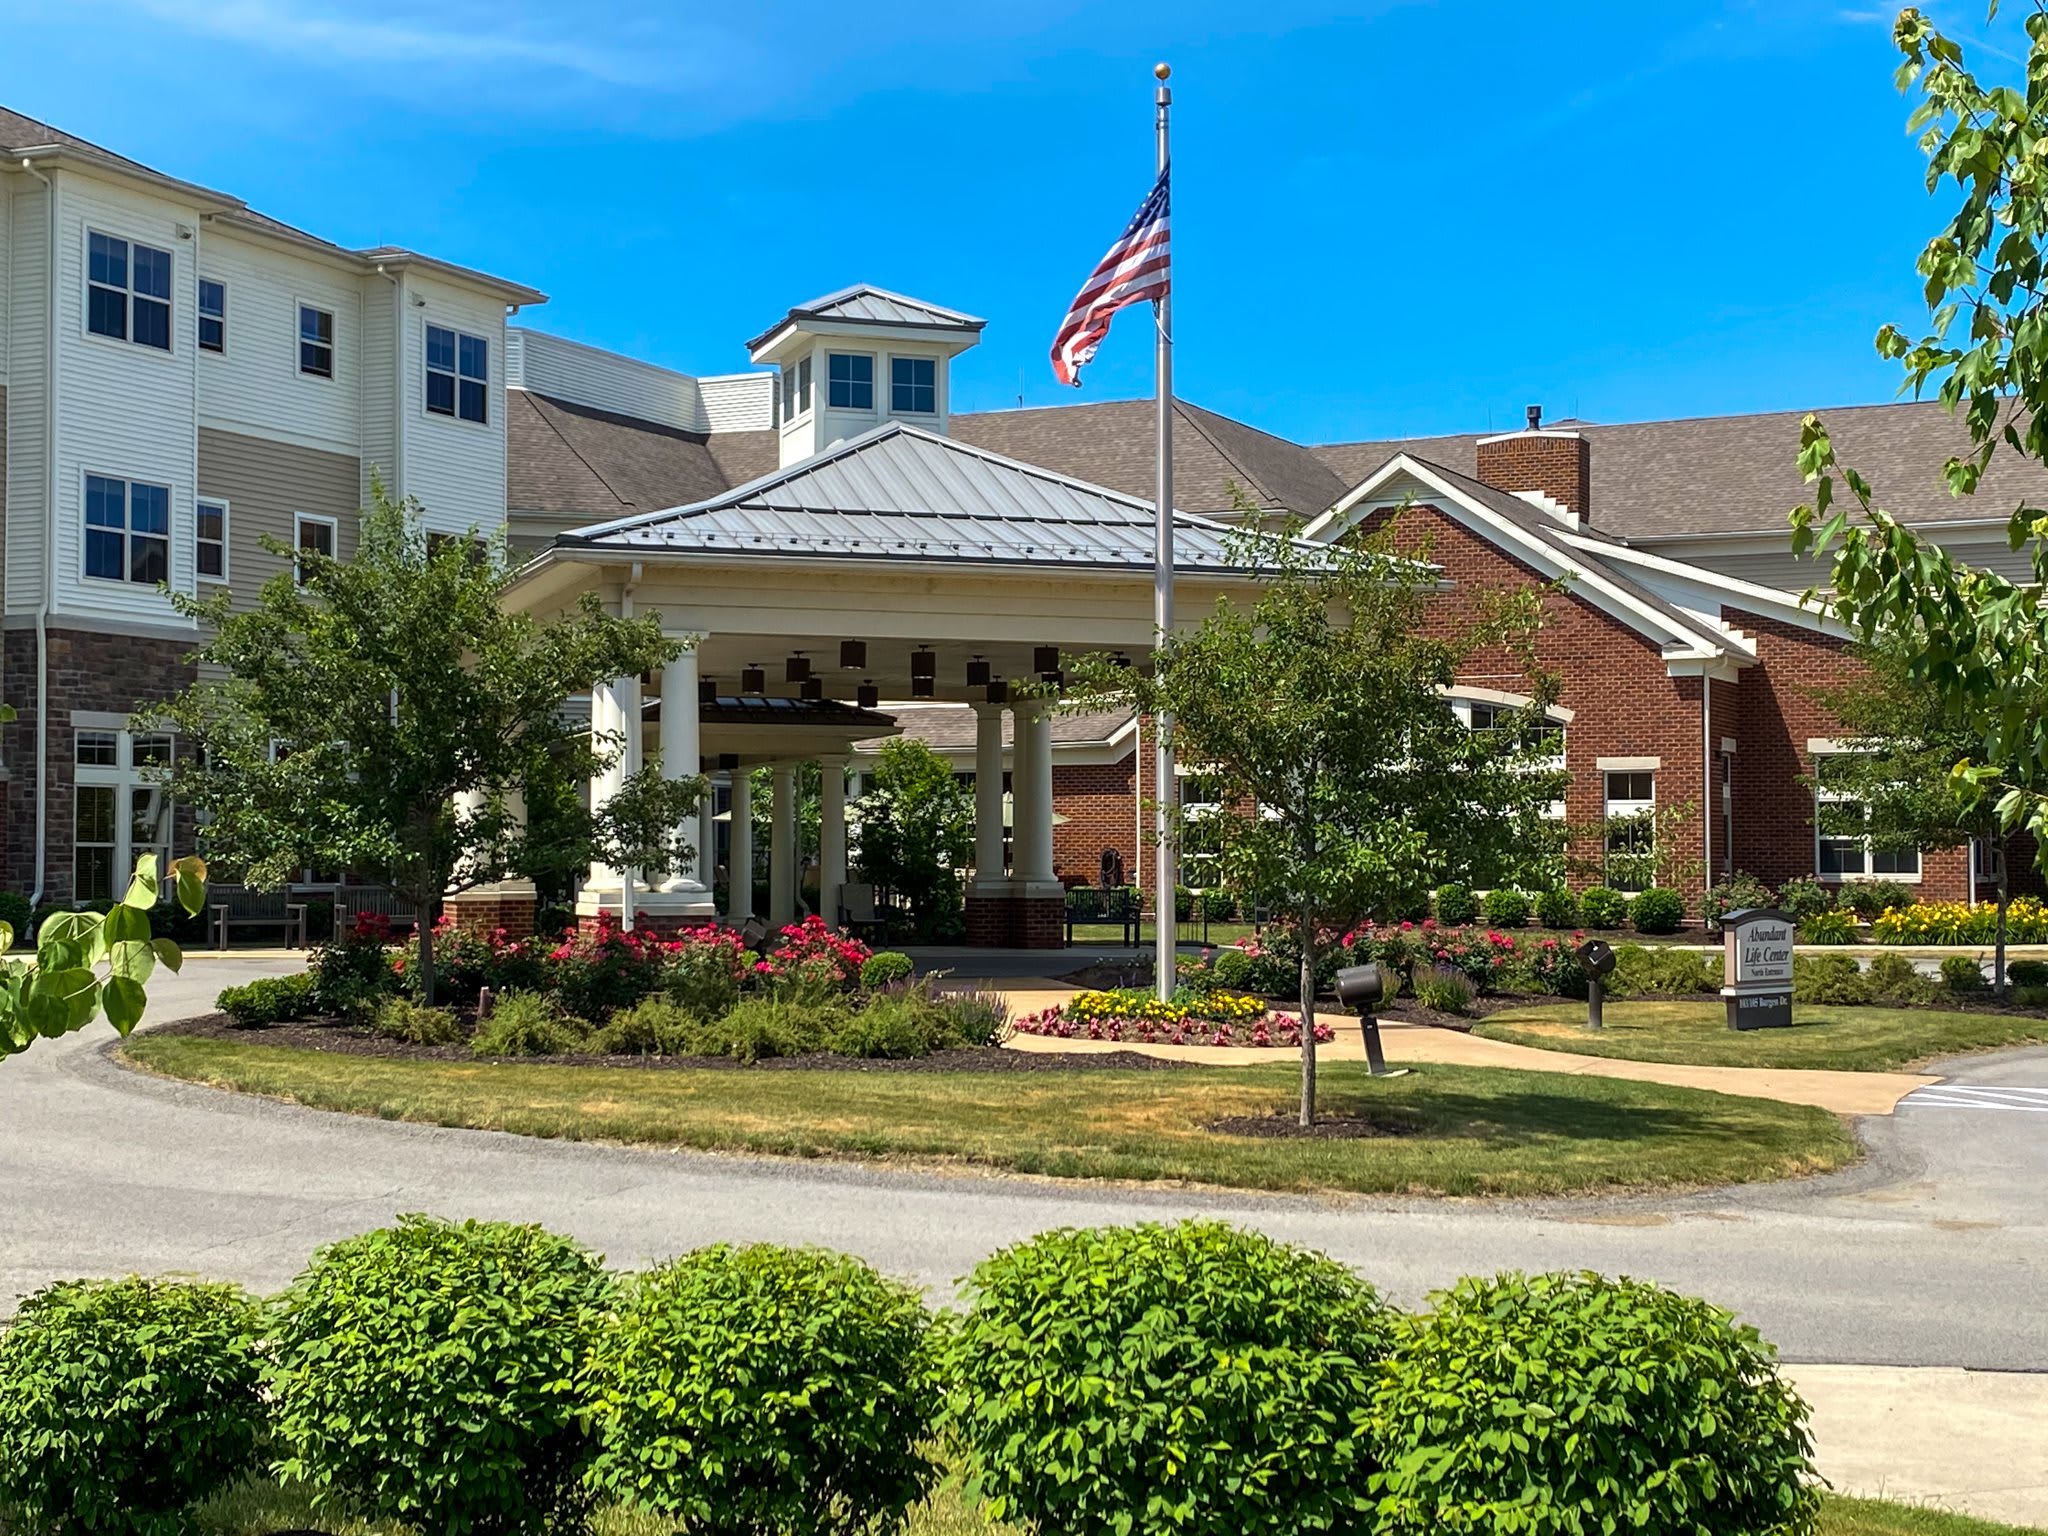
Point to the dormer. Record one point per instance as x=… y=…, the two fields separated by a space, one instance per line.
x=856 y=358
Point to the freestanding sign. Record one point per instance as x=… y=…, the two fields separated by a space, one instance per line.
x=1757 y=979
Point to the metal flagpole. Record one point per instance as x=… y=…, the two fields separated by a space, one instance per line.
x=1166 y=885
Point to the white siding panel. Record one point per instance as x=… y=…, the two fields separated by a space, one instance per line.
x=456 y=468
x=569 y=370
x=128 y=411
x=380 y=385
x=738 y=402
x=26 y=394
x=6 y=264
x=255 y=385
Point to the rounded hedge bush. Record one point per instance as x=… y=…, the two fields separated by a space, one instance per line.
x=1657 y=910
x=426 y=1373
x=1506 y=907
x=1574 y=1403
x=766 y=1389
x=1557 y=908
x=123 y=1403
x=883 y=967
x=1193 y=1379
x=1456 y=905
x=1601 y=906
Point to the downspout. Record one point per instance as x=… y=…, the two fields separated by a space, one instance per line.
x=49 y=541
x=1708 y=787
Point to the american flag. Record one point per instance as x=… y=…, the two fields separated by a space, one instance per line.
x=1138 y=267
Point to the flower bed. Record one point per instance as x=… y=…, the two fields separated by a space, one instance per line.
x=1133 y=1017
x=1951 y=922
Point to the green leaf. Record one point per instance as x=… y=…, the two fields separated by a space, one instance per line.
x=123 y=999
x=142 y=888
x=169 y=955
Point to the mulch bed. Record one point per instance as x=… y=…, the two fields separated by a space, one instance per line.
x=1329 y=1128
x=355 y=1040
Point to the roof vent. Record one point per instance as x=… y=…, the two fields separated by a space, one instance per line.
x=1535 y=415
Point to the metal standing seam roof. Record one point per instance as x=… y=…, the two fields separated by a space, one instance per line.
x=901 y=493
x=865 y=304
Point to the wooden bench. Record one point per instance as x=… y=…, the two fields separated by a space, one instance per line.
x=352 y=902
x=1109 y=906
x=245 y=909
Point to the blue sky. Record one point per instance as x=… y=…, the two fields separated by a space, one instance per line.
x=1389 y=218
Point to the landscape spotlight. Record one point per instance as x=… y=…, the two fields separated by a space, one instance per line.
x=1360 y=987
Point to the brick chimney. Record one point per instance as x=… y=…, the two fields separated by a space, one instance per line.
x=1549 y=467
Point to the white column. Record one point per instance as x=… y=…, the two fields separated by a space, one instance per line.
x=740 y=856
x=681 y=754
x=831 y=836
x=1031 y=779
x=707 y=837
x=626 y=691
x=605 y=728
x=782 y=847
x=988 y=795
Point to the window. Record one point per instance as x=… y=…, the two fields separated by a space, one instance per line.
x=127 y=530
x=1843 y=849
x=128 y=291
x=313 y=535
x=1990 y=856
x=1483 y=715
x=849 y=381
x=796 y=389
x=316 y=341
x=1727 y=813
x=1631 y=803
x=913 y=385
x=121 y=808
x=210 y=540
x=458 y=374
x=213 y=315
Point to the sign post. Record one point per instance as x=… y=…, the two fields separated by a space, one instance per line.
x=1757 y=945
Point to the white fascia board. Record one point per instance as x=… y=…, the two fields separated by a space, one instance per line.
x=1774 y=601
x=1541 y=553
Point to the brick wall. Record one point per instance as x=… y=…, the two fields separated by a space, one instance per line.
x=1099 y=801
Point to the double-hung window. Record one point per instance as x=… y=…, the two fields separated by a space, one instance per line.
x=121 y=808
x=213 y=315
x=458 y=374
x=314 y=535
x=1843 y=848
x=850 y=381
x=127 y=530
x=796 y=389
x=210 y=540
x=913 y=386
x=1631 y=805
x=316 y=341
x=128 y=291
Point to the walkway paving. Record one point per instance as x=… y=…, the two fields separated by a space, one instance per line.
x=1845 y=1093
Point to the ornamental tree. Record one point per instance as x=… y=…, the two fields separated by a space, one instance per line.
x=1319 y=711
x=1972 y=642
x=913 y=832
x=389 y=716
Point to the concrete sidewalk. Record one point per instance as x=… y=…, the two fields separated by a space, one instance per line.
x=1844 y=1093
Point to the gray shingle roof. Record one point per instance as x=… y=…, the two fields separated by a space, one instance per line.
x=597 y=465
x=900 y=493
x=951 y=727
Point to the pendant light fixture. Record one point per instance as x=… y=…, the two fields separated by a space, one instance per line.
x=707 y=691
x=924 y=687
x=853 y=655
x=867 y=695
x=1120 y=659
x=754 y=679
x=727 y=761
x=1055 y=678
x=1045 y=658
x=978 y=673
x=813 y=688
x=923 y=663
x=797 y=669
x=998 y=691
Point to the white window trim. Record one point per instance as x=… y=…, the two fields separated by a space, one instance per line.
x=333 y=313
x=299 y=521
x=1868 y=874
x=875 y=386
x=1612 y=808
x=170 y=534
x=1628 y=765
x=937 y=385
x=124 y=778
x=428 y=322
x=199 y=316
x=86 y=285
x=226 y=522
x=798 y=403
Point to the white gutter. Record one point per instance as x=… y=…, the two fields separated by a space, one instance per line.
x=49 y=543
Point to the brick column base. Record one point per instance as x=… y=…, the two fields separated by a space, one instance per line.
x=487 y=911
x=1003 y=920
x=660 y=925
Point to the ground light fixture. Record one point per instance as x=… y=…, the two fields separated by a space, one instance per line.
x=853 y=655
x=867 y=695
x=797 y=669
x=1597 y=957
x=754 y=678
x=978 y=673
x=1359 y=987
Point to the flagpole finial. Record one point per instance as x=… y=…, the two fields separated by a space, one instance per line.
x=1162 y=69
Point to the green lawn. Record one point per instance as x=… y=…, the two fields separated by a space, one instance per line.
x=1463 y=1131
x=1697 y=1033
x=261 y=1508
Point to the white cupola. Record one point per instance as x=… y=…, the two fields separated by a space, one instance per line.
x=856 y=358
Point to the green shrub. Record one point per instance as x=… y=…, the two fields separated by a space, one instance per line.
x=400 y=1018
x=1193 y=1379
x=19 y=916
x=1804 y=898
x=766 y=1389
x=1641 y=968
x=1601 y=906
x=2031 y=996
x=1573 y=1403
x=1445 y=990
x=528 y=1024
x=975 y=1018
x=426 y=1373
x=270 y=1000
x=1873 y=898
x=1735 y=894
x=1892 y=979
x=654 y=1026
x=761 y=1027
x=884 y=967
x=1557 y=908
x=1835 y=925
x=1834 y=979
x=2027 y=973
x=1959 y=973
x=894 y=1028
x=125 y=1402
x=1657 y=910
x=1233 y=969
x=353 y=976
x=1506 y=907
x=1456 y=905
x=1219 y=907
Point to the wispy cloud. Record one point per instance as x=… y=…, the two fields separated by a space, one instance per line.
x=1867 y=18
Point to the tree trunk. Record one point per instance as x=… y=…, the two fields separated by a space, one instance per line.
x=1307 y=930
x=1998 y=987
